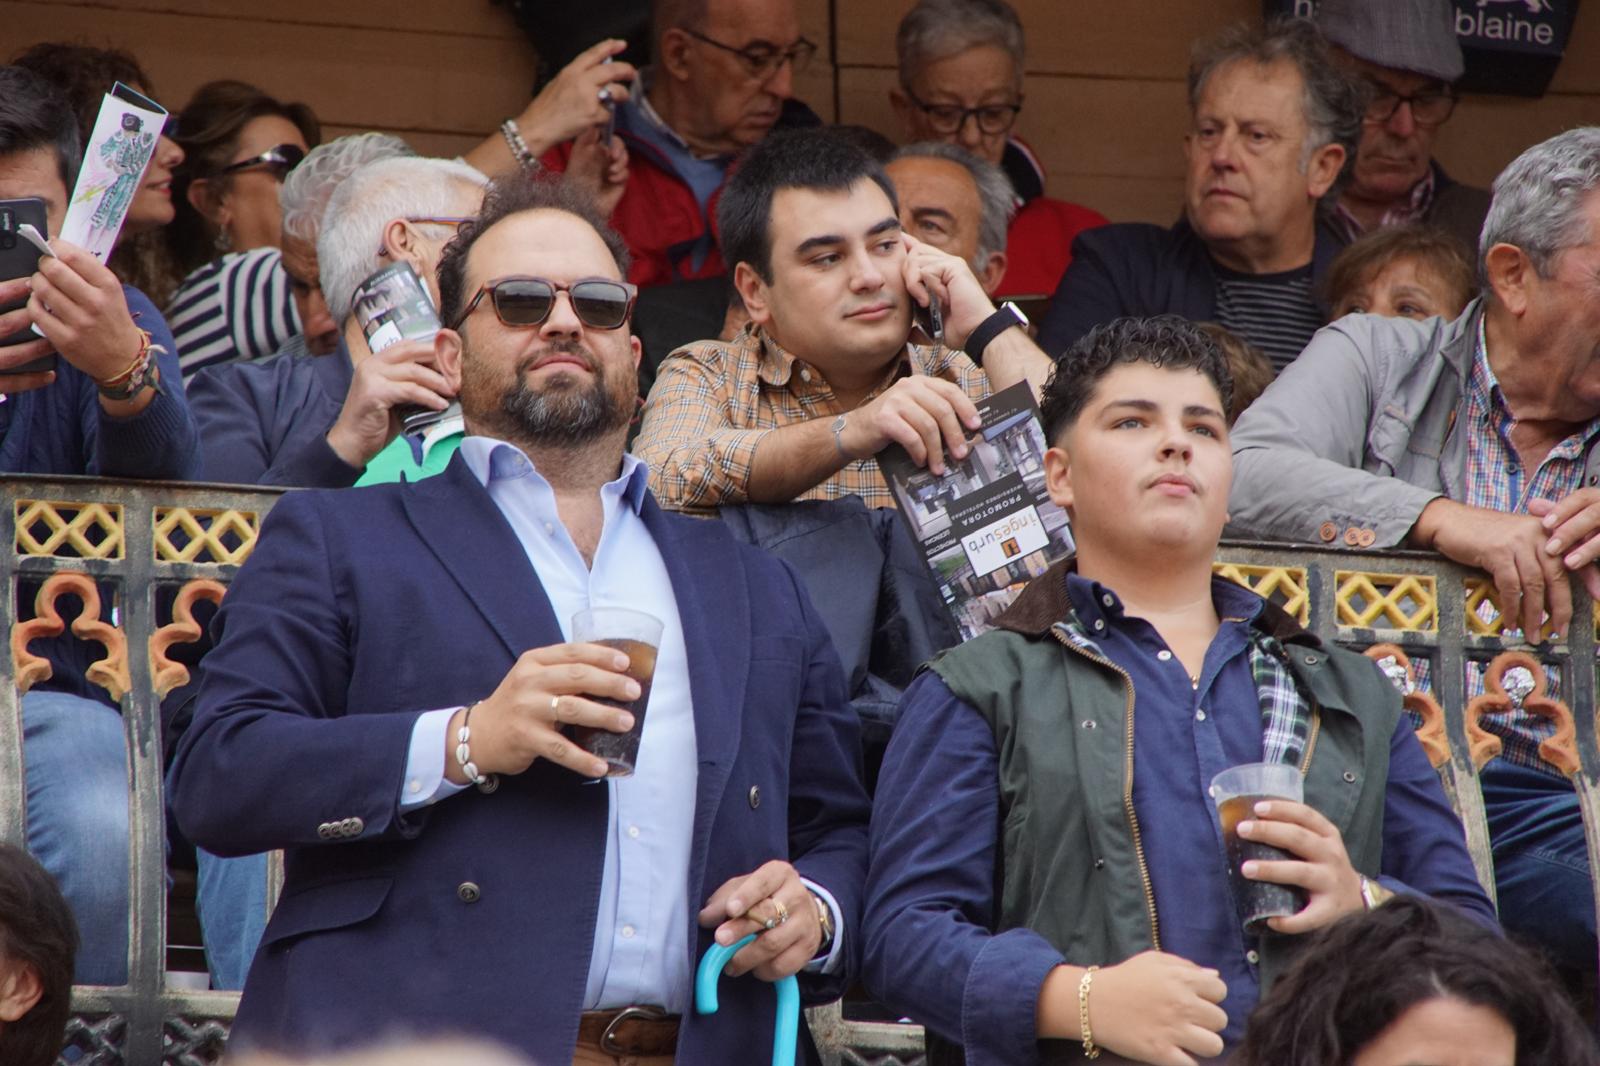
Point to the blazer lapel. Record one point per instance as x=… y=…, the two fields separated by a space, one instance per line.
x=472 y=540
x=714 y=605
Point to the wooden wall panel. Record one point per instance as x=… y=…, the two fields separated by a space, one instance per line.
x=1113 y=40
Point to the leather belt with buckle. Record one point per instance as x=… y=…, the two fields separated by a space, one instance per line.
x=639 y=1030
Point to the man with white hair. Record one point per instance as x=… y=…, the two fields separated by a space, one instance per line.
x=304 y=197
x=317 y=421
x=1478 y=439
x=961 y=68
x=957 y=202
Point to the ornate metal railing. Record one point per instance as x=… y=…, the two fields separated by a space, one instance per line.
x=141 y=556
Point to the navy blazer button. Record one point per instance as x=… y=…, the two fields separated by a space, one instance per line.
x=355 y=826
x=755 y=796
x=325 y=830
x=468 y=892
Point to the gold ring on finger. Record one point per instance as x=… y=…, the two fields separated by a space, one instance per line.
x=555 y=707
x=783 y=912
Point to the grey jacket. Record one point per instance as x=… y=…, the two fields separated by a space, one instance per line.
x=1356 y=436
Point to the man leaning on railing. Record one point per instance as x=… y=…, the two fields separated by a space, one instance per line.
x=1478 y=439
x=112 y=405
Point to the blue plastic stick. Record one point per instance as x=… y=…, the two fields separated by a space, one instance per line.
x=787 y=1031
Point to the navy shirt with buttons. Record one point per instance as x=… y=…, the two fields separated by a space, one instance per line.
x=1185 y=732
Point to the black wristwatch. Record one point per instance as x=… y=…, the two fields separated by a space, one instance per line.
x=1008 y=315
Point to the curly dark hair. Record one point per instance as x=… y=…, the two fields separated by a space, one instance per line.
x=510 y=195
x=1358 y=975
x=36 y=930
x=1162 y=341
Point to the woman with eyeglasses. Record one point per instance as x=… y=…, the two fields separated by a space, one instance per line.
x=234 y=301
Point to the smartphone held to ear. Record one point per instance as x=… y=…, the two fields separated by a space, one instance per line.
x=929 y=320
x=19 y=258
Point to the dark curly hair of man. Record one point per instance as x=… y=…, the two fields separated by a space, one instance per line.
x=36 y=933
x=1166 y=341
x=1358 y=975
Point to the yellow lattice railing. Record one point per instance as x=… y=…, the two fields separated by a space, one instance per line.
x=74 y=530
x=1407 y=602
x=1283 y=585
x=190 y=535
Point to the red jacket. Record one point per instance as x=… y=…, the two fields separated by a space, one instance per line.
x=658 y=215
x=1039 y=242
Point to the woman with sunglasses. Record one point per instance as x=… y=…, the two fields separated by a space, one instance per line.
x=239 y=144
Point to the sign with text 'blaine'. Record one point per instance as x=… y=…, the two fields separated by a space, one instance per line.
x=1510 y=46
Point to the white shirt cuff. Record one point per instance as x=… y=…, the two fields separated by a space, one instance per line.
x=424 y=782
x=830 y=962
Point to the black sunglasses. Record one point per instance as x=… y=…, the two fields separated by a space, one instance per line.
x=521 y=301
x=280 y=159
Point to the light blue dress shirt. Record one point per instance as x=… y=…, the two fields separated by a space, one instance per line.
x=644 y=890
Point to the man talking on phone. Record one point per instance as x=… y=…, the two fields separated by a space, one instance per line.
x=107 y=400
x=829 y=371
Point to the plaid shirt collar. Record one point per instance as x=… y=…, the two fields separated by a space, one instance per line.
x=1285 y=710
x=776 y=365
x=1413 y=209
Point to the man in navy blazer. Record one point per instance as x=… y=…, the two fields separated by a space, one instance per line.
x=386 y=648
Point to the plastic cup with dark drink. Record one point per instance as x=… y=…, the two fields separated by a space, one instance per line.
x=637 y=635
x=1236 y=793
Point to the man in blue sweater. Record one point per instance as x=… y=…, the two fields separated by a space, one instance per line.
x=113 y=406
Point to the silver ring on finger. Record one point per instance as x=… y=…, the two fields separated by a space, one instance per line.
x=605 y=95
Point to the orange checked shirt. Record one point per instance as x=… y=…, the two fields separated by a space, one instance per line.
x=714 y=401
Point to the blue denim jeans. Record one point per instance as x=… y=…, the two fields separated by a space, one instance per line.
x=76 y=760
x=232 y=901
x=1541 y=866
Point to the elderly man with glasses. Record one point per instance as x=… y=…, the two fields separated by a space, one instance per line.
x=961 y=66
x=1407 y=53
x=723 y=78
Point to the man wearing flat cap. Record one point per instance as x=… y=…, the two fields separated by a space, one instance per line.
x=1407 y=50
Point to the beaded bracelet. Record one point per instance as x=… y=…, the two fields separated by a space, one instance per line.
x=464 y=751
x=519 y=147
x=1089 y=1049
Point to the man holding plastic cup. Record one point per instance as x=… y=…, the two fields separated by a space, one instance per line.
x=1048 y=864
x=406 y=677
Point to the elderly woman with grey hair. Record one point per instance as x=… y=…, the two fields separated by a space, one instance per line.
x=961 y=78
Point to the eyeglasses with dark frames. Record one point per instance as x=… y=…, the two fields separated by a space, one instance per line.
x=519 y=301
x=762 y=59
x=1431 y=107
x=949 y=118
x=280 y=159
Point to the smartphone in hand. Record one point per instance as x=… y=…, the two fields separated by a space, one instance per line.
x=19 y=258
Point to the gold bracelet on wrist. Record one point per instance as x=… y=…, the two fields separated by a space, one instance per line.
x=143 y=356
x=1089 y=1049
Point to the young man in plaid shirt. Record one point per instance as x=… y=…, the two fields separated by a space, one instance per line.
x=1478 y=439
x=825 y=377
x=1043 y=808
